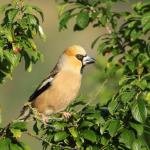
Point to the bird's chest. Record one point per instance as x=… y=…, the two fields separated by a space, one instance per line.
x=66 y=86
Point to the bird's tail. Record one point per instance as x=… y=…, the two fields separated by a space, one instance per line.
x=25 y=113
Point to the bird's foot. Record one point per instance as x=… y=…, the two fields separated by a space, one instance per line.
x=45 y=119
x=66 y=115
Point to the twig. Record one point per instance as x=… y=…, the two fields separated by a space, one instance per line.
x=50 y=144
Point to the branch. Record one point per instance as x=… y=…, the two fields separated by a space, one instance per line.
x=50 y=144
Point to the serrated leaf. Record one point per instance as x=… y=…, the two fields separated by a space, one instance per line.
x=139 y=111
x=89 y=135
x=82 y=19
x=60 y=136
x=113 y=127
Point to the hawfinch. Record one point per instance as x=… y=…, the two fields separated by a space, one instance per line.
x=61 y=87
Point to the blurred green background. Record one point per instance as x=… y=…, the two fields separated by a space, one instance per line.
x=14 y=93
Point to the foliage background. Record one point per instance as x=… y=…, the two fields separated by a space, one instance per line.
x=13 y=94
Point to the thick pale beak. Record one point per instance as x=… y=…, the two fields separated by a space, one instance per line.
x=88 y=60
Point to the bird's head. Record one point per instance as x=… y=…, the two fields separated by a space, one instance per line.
x=75 y=58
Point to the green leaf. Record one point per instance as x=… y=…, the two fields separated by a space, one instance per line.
x=24 y=146
x=138 y=127
x=136 y=145
x=65 y=17
x=86 y=123
x=60 y=136
x=82 y=19
x=146 y=22
x=139 y=111
x=142 y=84
x=127 y=137
x=11 y=14
x=127 y=96
x=147 y=98
x=113 y=127
x=37 y=9
x=14 y=146
x=131 y=66
x=12 y=58
x=16 y=132
x=28 y=62
x=112 y=106
x=4 y=143
x=104 y=140
x=32 y=19
x=73 y=132
x=135 y=34
x=59 y=125
x=1 y=53
x=19 y=125
x=103 y=20
x=104 y=126
x=89 y=135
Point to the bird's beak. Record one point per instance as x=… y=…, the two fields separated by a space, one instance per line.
x=88 y=60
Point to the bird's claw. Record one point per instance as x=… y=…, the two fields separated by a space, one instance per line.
x=66 y=115
x=45 y=119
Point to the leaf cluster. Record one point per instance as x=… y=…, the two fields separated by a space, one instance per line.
x=20 y=25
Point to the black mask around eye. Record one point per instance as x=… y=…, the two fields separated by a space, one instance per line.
x=79 y=57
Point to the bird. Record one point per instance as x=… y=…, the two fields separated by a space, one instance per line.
x=61 y=86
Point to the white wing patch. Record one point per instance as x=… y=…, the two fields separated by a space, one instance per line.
x=45 y=82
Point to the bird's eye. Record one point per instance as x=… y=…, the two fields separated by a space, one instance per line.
x=79 y=57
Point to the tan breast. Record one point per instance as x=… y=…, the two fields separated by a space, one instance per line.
x=64 y=89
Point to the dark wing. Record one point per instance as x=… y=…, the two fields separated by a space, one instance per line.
x=45 y=84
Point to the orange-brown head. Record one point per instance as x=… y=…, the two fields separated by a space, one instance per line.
x=75 y=58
